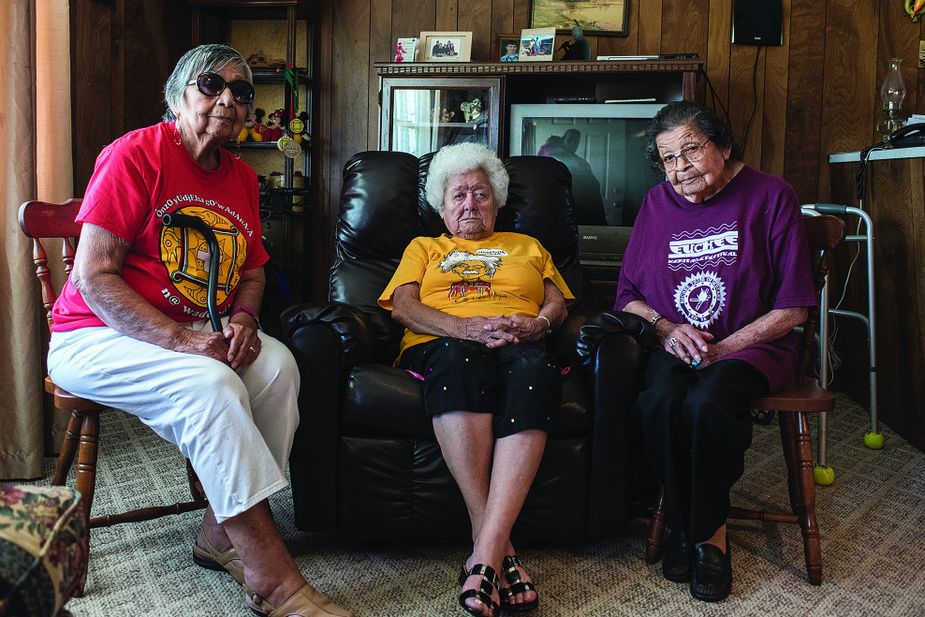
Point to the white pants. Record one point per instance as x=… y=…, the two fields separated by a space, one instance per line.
x=236 y=429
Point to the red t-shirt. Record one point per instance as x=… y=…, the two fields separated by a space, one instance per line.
x=142 y=176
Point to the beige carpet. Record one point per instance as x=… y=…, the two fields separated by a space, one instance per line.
x=872 y=520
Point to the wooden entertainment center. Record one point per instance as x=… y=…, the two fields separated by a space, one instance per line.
x=424 y=106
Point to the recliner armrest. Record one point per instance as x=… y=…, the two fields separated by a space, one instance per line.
x=608 y=352
x=595 y=327
x=327 y=342
x=348 y=323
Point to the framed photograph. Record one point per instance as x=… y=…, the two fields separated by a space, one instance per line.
x=596 y=17
x=537 y=44
x=406 y=50
x=445 y=46
x=508 y=49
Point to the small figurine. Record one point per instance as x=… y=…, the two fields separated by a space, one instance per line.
x=274 y=128
x=249 y=130
x=471 y=110
x=259 y=126
x=579 y=49
x=302 y=133
x=446 y=115
x=275 y=180
x=258 y=60
x=246 y=129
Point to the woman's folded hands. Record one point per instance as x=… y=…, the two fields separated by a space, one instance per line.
x=502 y=330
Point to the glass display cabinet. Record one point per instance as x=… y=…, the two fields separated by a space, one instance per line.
x=278 y=39
x=421 y=115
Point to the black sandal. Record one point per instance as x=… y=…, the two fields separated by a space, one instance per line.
x=483 y=593
x=515 y=586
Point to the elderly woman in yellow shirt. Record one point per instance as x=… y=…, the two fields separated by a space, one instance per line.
x=477 y=305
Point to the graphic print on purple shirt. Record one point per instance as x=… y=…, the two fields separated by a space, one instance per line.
x=701 y=297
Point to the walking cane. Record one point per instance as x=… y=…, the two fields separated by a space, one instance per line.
x=178 y=219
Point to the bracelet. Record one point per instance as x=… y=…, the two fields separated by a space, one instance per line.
x=247 y=311
x=656 y=317
x=548 y=323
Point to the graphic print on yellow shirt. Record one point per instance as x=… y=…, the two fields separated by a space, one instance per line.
x=185 y=254
x=502 y=274
x=471 y=268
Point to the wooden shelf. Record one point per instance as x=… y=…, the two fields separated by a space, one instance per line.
x=260 y=145
x=518 y=68
x=272 y=76
x=449 y=125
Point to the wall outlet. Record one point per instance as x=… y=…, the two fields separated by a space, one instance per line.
x=922 y=54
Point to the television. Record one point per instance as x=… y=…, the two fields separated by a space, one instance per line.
x=603 y=145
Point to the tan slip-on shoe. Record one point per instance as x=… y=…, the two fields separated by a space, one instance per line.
x=207 y=556
x=306 y=602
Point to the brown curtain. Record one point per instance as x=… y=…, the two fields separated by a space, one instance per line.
x=35 y=116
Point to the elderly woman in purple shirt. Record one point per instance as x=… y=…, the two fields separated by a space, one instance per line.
x=718 y=264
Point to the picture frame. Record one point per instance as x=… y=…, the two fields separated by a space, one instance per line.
x=596 y=17
x=501 y=47
x=537 y=44
x=406 y=49
x=445 y=46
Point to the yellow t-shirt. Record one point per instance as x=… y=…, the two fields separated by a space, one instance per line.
x=502 y=274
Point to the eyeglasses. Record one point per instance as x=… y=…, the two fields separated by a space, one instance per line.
x=691 y=154
x=213 y=84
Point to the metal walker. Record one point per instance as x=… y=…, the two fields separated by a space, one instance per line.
x=873 y=439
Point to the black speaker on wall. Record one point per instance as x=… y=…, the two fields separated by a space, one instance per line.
x=757 y=22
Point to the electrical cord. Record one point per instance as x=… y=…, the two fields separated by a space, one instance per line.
x=862 y=167
x=834 y=357
x=714 y=98
x=854 y=260
x=748 y=125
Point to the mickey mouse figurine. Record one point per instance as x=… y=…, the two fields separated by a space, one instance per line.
x=274 y=128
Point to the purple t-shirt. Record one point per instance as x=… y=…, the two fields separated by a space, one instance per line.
x=721 y=264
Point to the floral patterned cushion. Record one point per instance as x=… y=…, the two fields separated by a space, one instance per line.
x=43 y=549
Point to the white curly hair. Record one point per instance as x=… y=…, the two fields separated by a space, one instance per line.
x=463 y=158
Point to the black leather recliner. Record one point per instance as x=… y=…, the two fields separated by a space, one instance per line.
x=365 y=463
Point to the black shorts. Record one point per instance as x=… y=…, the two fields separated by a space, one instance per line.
x=520 y=384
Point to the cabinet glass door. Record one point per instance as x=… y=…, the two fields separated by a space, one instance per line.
x=423 y=115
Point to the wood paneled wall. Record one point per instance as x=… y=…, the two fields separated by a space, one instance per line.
x=122 y=52
x=816 y=94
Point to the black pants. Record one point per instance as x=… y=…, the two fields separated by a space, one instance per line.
x=521 y=385
x=696 y=428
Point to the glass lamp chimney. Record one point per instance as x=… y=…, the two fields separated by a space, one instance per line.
x=892 y=94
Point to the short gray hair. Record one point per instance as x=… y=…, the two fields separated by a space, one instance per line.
x=212 y=57
x=689 y=113
x=463 y=158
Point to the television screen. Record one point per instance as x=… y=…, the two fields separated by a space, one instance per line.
x=603 y=146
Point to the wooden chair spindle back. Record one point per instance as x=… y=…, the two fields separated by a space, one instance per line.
x=42 y=220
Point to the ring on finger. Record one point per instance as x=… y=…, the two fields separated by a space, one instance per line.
x=672 y=342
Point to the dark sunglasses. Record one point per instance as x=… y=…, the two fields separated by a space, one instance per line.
x=213 y=84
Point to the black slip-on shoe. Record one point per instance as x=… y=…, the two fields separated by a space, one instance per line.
x=676 y=558
x=711 y=580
